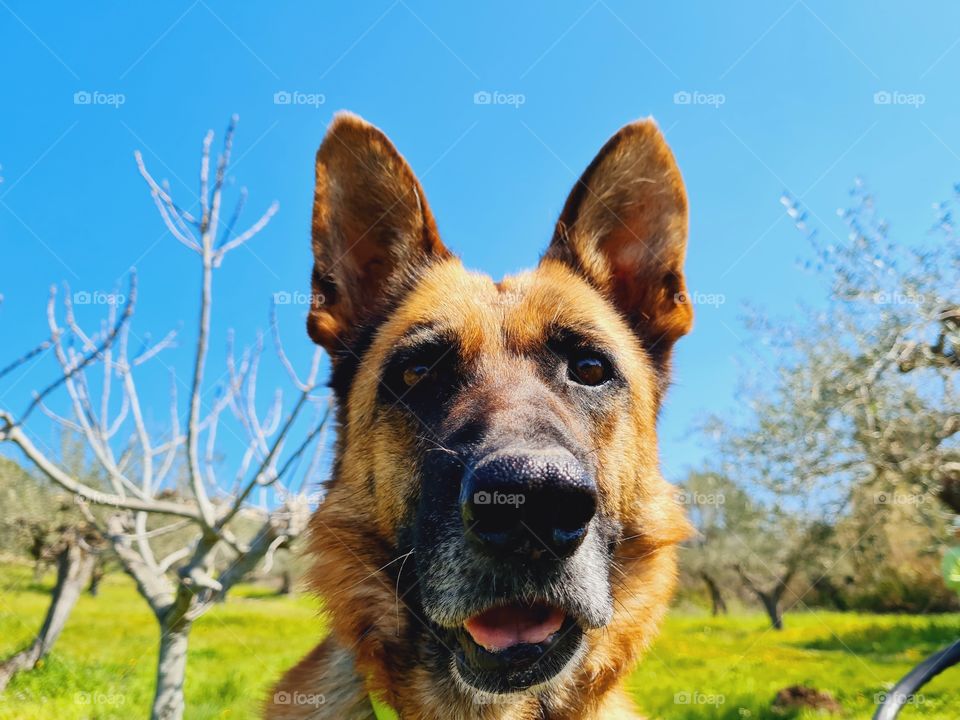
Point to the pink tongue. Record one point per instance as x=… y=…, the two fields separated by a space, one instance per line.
x=500 y=628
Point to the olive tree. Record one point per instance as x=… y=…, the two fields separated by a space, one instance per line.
x=858 y=418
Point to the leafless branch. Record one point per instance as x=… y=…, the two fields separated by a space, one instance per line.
x=89 y=356
x=26 y=357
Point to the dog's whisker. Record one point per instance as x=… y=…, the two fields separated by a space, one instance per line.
x=397 y=590
x=372 y=574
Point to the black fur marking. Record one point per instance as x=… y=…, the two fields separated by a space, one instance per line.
x=346 y=363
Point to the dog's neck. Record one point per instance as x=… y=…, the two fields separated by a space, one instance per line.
x=377 y=645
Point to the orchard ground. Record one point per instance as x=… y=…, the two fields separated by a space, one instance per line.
x=727 y=668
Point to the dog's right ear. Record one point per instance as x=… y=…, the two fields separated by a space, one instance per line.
x=372 y=229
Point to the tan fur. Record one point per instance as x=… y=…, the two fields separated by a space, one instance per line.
x=613 y=271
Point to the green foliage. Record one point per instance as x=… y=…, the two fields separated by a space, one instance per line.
x=951 y=568
x=20 y=497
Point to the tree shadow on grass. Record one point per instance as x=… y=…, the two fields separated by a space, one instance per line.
x=33 y=587
x=890 y=640
x=729 y=712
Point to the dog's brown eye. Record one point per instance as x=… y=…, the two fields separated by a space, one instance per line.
x=414 y=373
x=589 y=369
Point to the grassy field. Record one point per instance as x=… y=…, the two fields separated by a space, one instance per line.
x=701 y=667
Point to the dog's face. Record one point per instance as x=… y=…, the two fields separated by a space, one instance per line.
x=497 y=519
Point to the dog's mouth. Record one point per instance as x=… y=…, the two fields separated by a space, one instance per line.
x=508 y=648
x=505 y=627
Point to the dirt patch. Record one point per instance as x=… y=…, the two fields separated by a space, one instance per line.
x=798 y=697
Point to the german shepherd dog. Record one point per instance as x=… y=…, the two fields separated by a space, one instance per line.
x=497 y=540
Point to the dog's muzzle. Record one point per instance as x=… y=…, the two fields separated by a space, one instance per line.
x=513 y=561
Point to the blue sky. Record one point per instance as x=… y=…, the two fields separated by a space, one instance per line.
x=756 y=99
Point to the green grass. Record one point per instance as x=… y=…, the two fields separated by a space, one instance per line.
x=740 y=660
x=103 y=665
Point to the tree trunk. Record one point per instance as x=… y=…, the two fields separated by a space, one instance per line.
x=830 y=591
x=168 y=701
x=39 y=570
x=95 y=577
x=771 y=603
x=717 y=602
x=74 y=564
x=770 y=599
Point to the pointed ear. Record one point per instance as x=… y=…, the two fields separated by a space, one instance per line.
x=372 y=230
x=624 y=229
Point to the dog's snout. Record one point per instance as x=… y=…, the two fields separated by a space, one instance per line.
x=528 y=502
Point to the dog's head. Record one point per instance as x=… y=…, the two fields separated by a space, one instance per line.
x=497 y=520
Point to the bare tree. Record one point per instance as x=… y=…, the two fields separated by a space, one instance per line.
x=139 y=503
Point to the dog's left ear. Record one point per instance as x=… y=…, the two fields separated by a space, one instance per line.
x=624 y=229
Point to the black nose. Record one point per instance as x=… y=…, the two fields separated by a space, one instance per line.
x=530 y=502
